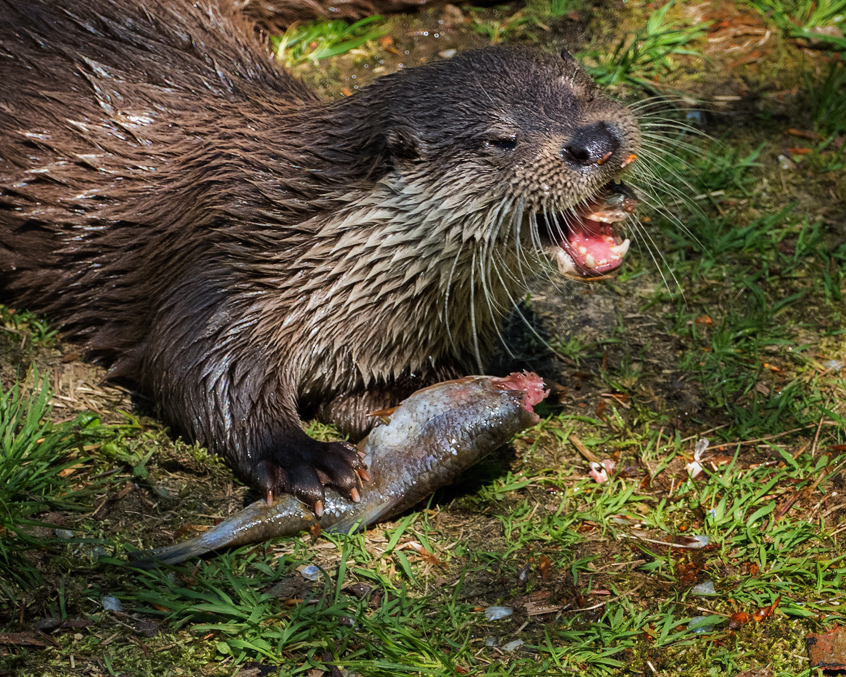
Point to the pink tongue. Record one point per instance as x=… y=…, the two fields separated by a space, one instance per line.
x=590 y=246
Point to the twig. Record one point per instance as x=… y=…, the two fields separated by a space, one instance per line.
x=656 y=542
x=583 y=450
x=817 y=436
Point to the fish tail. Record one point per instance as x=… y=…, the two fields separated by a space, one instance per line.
x=172 y=554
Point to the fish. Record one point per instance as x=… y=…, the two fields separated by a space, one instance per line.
x=415 y=448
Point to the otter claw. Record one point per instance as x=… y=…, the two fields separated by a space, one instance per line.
x=355 y=497
x=363 y=474
x=304 y=467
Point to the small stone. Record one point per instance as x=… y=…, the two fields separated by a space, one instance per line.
x=148 y=628
x=624 y=521
x=359 y=589
x=697 y=117
x=47 y=624
x=97 y=552
x=111 y=603
x=697 y=542
x=496 y=613
x=704 y=589
x=513 y=645
x=702 y=629
x=311 y=572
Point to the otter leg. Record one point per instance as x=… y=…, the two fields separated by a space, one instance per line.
x=260 y=437
x=350 y=412
x=214 y=385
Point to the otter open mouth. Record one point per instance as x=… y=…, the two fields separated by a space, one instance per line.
x=583 y=242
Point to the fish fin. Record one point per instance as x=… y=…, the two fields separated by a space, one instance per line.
x=383 y=413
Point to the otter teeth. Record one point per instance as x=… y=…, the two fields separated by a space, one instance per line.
x=565 y=263
x=619 y=250
x=607 y=215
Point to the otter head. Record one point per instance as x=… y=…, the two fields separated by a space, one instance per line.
x=445 y=188
x=517 y=145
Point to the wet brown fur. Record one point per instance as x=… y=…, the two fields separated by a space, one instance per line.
x=246 y=253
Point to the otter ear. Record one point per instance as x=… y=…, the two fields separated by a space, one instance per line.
x=403 y=143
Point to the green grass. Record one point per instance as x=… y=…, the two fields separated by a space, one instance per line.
x=29 y=326
x=641 y=57
x=828 y=101
x=754 y=277
x=799 y=18
x=36 y=460
x=525 y=24
x=314 y=41
x=497 y=29
x=58 y=468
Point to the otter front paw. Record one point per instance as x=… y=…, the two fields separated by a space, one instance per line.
x=303 y=467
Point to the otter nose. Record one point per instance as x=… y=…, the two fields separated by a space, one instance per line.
x=590 y=145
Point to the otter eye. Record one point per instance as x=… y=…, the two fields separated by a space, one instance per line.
x=502 y=141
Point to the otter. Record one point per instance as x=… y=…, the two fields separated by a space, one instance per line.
x=247 y=254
